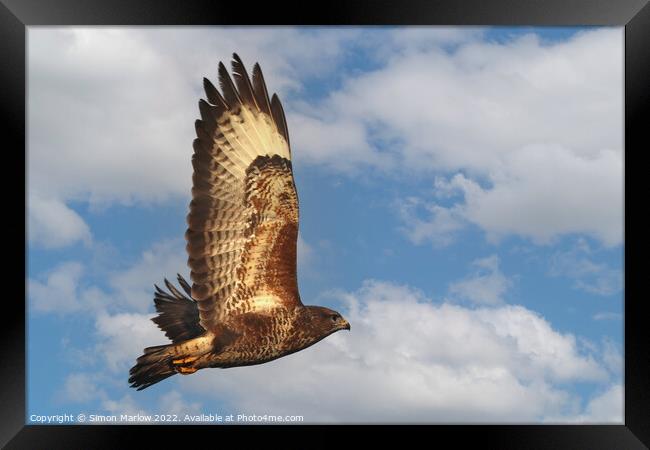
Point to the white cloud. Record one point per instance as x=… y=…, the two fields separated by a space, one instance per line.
x=75 y=354
x=87 y=389
x=546 y=350
x=52 y=224
x=545 y=192
x=431 y=362
x=548 y=191
x=486 y=285
x=58 y=292
x=427 y=38
x=438 y=228
x=134 y=286
x=607 y=315
x=407 y=360
x=468 y=108
x=174 y=403
x=332 y=141
x=80 y=388
x=578 y=264
x=171 y=403
x=607 y=407
x=62 y=291
x=541 y=122
x=123 y=328
x=612 y=357
x=84 y=388
x=125 y=405
x=106 y=120
x=123 y=336
x=111 y=110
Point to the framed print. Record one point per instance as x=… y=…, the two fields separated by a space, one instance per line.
x=373 y=214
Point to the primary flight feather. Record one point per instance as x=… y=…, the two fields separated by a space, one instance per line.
x=243 y=307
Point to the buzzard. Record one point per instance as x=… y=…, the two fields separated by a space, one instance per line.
x=243 y=307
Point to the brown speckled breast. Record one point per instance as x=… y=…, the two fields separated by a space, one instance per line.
x=261 y=338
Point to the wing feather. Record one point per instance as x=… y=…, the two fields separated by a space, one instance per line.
x=229 y=90
x=243 y=219
x=214 y=97
x=278 y=116
x=243 y=83
x=260 y=92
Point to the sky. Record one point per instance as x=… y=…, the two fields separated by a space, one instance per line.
x=461 y=204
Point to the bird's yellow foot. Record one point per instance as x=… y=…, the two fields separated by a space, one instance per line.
x=188 y=360
x=183 y=365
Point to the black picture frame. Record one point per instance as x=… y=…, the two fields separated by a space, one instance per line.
x=634 y=15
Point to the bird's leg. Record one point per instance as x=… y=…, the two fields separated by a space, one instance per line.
x=182 y=365
x=189 y=359
x=188 y=355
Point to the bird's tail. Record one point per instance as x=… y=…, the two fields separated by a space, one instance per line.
x=153 y=366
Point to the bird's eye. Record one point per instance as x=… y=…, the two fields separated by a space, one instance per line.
x=334 y=317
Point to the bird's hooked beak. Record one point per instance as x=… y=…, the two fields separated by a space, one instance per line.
x=345 y=325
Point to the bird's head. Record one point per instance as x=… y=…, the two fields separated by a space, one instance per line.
x=325 y=320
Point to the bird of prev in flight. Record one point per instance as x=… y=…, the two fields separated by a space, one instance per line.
x=243 y=307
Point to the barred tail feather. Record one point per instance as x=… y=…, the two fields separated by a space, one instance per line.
x=153 y=366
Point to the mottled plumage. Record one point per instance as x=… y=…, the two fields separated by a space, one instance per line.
x=243 y=306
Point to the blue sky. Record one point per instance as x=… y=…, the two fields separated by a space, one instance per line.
x=460 y=203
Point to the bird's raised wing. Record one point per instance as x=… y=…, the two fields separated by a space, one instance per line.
x=243 y=219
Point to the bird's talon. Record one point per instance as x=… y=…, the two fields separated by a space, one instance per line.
x=189 y=359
